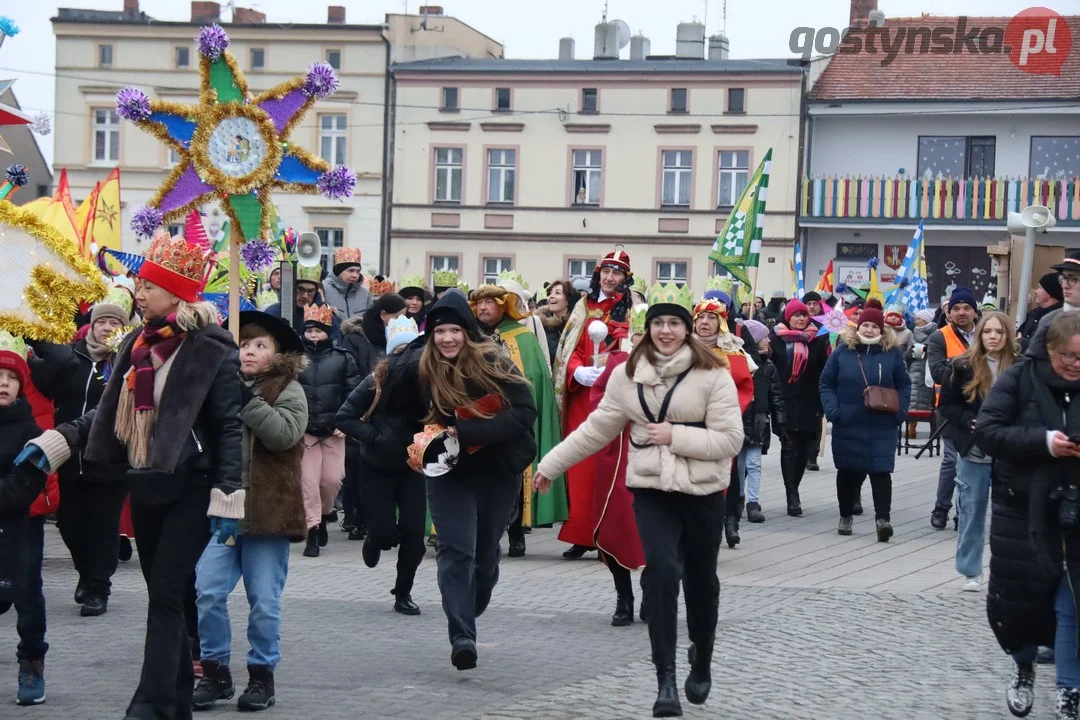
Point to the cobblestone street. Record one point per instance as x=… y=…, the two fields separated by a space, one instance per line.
x=812 y=625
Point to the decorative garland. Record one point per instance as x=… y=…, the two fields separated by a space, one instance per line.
x=232 y=146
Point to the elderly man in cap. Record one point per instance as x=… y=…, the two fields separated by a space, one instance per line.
x=344 y=290
x=1049 y=296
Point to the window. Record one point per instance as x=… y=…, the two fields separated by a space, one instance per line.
x=668 y=271
x=502 y=99
x=175 y=229
x=183 y=57
x=493 y=266
x=734 y=174
x=588 y=101
x=1055 y=157
x=333 y=59
x=501 y=171
x=676 y=181
x=174 y=157
x=332 y=138
x=450 y=99
x=580 y=268
x=448 y=175
x=587 y=176
x=106 y=135
x=442 y=262
x=330 y=239
x=678 y=100
x=956 y=156
x=105 y=56
x=258 y=58
x=736 y=100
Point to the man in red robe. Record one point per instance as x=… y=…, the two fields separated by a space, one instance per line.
x=575 y=372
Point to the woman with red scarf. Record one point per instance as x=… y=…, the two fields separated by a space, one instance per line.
x=799 y=355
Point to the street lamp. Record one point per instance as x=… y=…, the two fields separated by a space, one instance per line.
x=1031 y=219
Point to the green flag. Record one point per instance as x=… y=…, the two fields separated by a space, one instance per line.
x=738 y=246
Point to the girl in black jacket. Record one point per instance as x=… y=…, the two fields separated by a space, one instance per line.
x=768 y=404
x=393 y=494
x=327 y=380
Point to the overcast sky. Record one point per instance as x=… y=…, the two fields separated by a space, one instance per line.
x=528 y=28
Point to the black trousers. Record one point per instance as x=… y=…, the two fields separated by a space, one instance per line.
x=470 y=516
x=514 y=529
x=624 y=585
x=849 y=484
x=89 y=522
x=170 y=539
x=812 y=451
x=395 y=508
x=681 y=536
x=735 y=492
x=795 y=450
x=352 y=490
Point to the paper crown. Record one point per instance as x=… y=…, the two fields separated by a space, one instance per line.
x=265 y=299
x=778 y=294
x=381 y=286
x=412 y=281
x=640 y=286
x=195 y=231
x=464 y=287
x=515 y=276
x=12 y=344
x=637 y=319
x=119 y=297
x=347 y=256
x=399 y=325
x=321 y=314
x=671 y=293
x=720 y=283
x=444 y=278
x=312 y=274
x=179 y=266
x=989 y=302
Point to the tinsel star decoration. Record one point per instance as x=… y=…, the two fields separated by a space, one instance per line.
x=833 y=322
x=234 y=146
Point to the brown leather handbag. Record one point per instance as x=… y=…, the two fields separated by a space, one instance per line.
x=877 y=397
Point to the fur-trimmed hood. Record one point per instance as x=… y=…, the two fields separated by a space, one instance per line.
x=552 y=321
x=284 y=367
x=888 y=338
x=355 y=324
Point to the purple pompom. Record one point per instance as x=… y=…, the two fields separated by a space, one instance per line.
x=872 y=263
x=145 y=220
x=132 y=104
x=842 y=288
x=212 y=41
x=321 y=81
x=17 y=175
x=337 y=184
x=257 y=255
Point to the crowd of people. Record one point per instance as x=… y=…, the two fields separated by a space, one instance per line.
x=635 y=417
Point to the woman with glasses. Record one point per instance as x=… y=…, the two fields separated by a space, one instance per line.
x=1031 y=421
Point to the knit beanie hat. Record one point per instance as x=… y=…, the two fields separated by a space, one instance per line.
x=758 y=331
x=963 y=296
x=13 y=354
x=793 y=306
x=873 y=315
x=813 y=295
x=1052 y=285
x=927 y=315
x=117 y=304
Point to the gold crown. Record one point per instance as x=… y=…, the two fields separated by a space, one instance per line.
x=382 y=286
x=413 y=281
x=322 y=314
x=637 y=319
x=309 y=273
x=722 y=283
x=347 y=255
x=13 y=344
x=186 y=265
x=671 y=293
x=120 y=297
x=445 y=278
x=515 y=276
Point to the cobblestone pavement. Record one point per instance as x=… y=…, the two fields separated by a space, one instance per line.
x=812 y=625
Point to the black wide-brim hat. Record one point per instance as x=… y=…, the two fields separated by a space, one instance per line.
x=286 y=338
x=1071 y=262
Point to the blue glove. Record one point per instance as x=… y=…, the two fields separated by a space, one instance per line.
x=35 y=455
x=224 y=529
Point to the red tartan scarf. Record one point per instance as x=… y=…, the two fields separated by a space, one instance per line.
x=135 y=414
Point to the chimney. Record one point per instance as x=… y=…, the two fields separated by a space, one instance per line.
x=566 y=48
x=690 y=41
x=203 y=13
x=606 y=41
x=860 y=13
x=719 y=47
x=431 y=10
x=335 y=15
x=640 y=47
x=131 y=7
x=247 y=16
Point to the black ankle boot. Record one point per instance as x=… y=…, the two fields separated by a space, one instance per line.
x=794 y=504
x=312 y=547
x=667 y=696
x=624 y=611
x=731 y=527
x=699 y=681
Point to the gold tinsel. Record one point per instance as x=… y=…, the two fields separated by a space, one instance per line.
x=53 y=298
x=208 y=120
x=116 y=337
x=207 y=94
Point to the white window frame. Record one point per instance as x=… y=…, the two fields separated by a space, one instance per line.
x=442 y=262
x=501 y=264
x=109 y=130
x=333 y=131
x=447 y=169
x=330 y=240
x=251 y=58
x=668 y=271
x=736 y=173
x=104 y=50
x=330 y=54
x=678 y=166
x=502 y=175
x=580 y=267
x=588 y=165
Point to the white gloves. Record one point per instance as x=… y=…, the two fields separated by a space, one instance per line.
x=918 y=351
x=587 y=375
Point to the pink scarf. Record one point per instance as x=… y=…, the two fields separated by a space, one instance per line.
x=798 y=351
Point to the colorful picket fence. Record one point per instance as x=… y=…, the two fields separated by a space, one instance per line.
x=972 y=200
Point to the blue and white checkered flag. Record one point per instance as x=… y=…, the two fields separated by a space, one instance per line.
x=916 y=294
x=909 y=268
x=800 y=282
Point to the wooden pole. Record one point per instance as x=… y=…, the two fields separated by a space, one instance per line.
x=234 y=288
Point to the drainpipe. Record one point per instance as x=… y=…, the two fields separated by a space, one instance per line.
x=806 y=146
x=389 y=122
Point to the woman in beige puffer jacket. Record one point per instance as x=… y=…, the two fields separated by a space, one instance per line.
x=685 y=427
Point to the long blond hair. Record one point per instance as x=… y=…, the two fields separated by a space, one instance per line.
x=976 y=356
x=477 y=371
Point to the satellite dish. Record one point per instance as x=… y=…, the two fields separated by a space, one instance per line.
x=623 y=32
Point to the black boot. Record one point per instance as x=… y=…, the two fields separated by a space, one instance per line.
x=667 y=697
x=259 y=693
x=731 y=527
x=517 y=544
x=125 y=549
x=753 y=513
x=699 y=681
x=371 y=552
x=624 y=611
x=312 y=547
x=324 y=536
x=403 y=603
x=794 y=504
x=94 y=606
x=576 y=551
x=215 y=684
x=348 y=522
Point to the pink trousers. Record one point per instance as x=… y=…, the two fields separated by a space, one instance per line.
x=321 y=473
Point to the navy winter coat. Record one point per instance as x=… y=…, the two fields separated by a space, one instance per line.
x=863 y=439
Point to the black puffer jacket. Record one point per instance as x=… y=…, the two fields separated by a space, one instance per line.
x=327 y=380
x=1028 y=547
x=18 y=488
x=384 y=437
x=802 y=399
x=768 y=405
x=954 y=406
x=366 y=352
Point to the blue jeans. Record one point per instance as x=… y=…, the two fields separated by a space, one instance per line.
x=749 y=464
x=264 y=565
x=1065 y=660
x=972 y=499
x=29 y=599
x=946 y=477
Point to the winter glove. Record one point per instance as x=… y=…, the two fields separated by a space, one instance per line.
x=587 y=375
x=35 y=455
x=246 y=395
x=224 y=529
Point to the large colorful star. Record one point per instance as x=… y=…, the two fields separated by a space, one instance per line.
x=233 y=146
x=833 y=322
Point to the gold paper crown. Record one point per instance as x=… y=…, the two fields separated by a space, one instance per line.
x=347 y=255
x=420 y=442
x=311 y=273
x=412 y=281
x=637 y=319
x=515 y=276
x=120 y=297
x=401 y=324
x=322 y=314
x=445 y=278
x=464 y=287
x=12 y=344
x=671 y=294
x=639 y=285
x=189 y=261
x=382 y=286
x=266 y=298
x=722 y=283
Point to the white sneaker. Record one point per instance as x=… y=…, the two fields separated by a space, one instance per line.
x=973 y=584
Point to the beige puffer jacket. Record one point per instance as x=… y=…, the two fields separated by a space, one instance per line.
x=698 y=460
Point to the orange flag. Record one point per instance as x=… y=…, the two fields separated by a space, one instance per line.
x=59 y=211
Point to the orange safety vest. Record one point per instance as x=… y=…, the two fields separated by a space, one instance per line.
x=954 y=347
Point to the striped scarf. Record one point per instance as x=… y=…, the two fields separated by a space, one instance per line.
x=798 y=351
x=135 y=413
